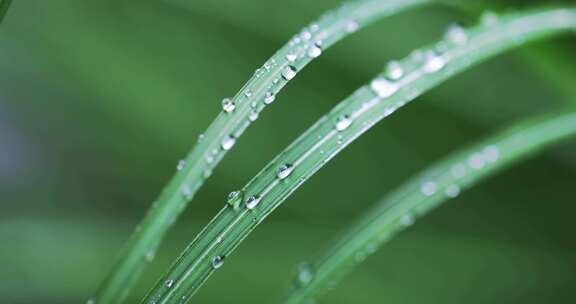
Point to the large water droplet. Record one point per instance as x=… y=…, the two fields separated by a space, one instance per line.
x=456 y=34
x=394 y=70
x=269 y=97
x=315 y=51
x=228 y=105
x=433 y=62
x=343 y=122
x=228 y=142
x=181 y=165
x=428 y=188
x=252 y=201
x=217 y=262
x=169 y=283
x=285 y=170
x=383 y=87
x=289 y=72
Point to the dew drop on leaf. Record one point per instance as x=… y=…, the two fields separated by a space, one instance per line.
x=428 y=188
x=289 y=72
x=228 y=142
x=383 y=87
x=252 y=202
x=285 y=170
x=343 y=122
x=269 y=97
x=217 y=262
x=228 y=105
x=315 y=51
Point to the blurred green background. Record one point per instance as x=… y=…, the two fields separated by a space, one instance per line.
x=100 y=99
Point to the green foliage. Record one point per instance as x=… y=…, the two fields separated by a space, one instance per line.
x=401 y=83
x=4 y=5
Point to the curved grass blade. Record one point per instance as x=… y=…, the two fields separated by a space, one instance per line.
x=238 y=113
x=4 y=5
x=425 y=192
x=401 y=83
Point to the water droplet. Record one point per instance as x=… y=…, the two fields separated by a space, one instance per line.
x=489 y=18
x=476 y=161
x=181 y=165
x=407 y=220
x=149 y=256
x=228 y=142
x=252 y=201
x=217 y=262
x=352 y=26
x=169 y=283
x=491 y=154
x=91 y=301
x=433 y=62
x=209 y=159
x=186 y=191
x=456 y=34
x=458 y=171
x=253 y=116
x=452 y=191
x=291 y=57
x=343 y=122
x=289 y=72
x=201 y=137
x=383 y=87
x=428 y=188
x=305 y=274
x=305 y=35
x=248 y=93
x=314 y=27
x=285 y=170
x=228 y=105
x=394 y=70
x=269 y=97
x=315 y=51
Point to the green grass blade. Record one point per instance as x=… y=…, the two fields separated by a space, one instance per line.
x=238 y=114
x=418 y=73
x=4 y=5
x=426 y=191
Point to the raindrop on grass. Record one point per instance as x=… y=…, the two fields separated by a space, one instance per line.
x=169 y=283
x=228 y=105
x=407 y=220
x=452 y=191
x=291 y=57
x=228 y=142
x=181 y=165
x=456 y=34
x=248 y=93
x=252 y=201
x=428 y=188
x=217 y=262
x=285 y=170
x=394 y=70
x=343 y=122
x=269 y=97
x=305 y=274
x=433 y=62
x=253 y=116
x=186 y=191
x=352 y=26
x=383 y=87
x=289 y=72
x=315 y=51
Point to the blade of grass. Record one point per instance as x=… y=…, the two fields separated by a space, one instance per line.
x=4 y=5
x=238 y=113
x=402 y=82
x=423 y=193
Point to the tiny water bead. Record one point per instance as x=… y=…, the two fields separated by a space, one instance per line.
x=228 y=142
x=253 y=116
x=289 y=72
x=169 y=283
x=456 y=34
x=181 y=165
x=491 y=154
x=343 y=122
x=248 y=93
x=291 y=57
x=217 y=262
x=352 y=26
x=285 y=170
x=489 y=18
x=407 y=220
x=234 y=198
x=383 y=87
x=305 y=274
x=428 y=188
x=315 y=51
x=91 y=301
x=452 y=191
x=228 y=105
x=252 y=201
x=186 y=191
x=476 y=161
x=269 y=97
x=394 y=70
x=433 y=62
